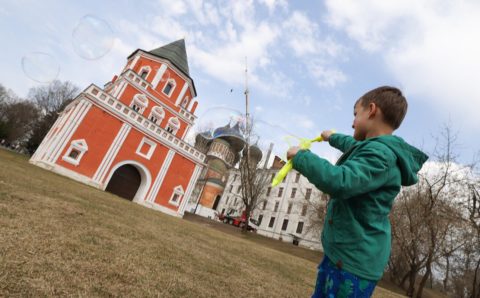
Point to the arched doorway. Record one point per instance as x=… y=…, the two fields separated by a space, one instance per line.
x=125 y=182
x=215 y=204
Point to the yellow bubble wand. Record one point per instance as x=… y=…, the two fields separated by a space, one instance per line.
x=304 y=144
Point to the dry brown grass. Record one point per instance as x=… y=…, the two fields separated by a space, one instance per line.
x=62 y=238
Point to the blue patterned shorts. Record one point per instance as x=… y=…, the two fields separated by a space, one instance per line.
x=333 y=282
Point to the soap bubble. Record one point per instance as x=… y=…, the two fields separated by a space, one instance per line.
x=263 y=132
x=218 y=116
x=40 y=67
x=165 y=77
x=92 y=38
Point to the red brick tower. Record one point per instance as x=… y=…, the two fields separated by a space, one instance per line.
x=128 y=137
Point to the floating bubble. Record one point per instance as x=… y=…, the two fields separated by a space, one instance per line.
x=263 y=132
x=165 y=77
x=218 y=116
x=92 y=38
x=40 y=67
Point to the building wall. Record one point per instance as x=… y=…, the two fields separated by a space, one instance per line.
x=99 y=129
x=307 y=237
x=103 y=121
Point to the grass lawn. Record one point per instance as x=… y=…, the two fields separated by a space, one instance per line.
x=62 y=238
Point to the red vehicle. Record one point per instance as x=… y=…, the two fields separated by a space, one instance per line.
x=238 y=221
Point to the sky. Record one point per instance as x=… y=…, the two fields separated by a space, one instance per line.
x=308 y=61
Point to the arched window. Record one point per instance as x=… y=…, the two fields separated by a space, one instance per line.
x=144 y=71
x=156 y=115
x=75 y=152
x=139 y=103
x=177 y=195
x=173 y=125
x=169 y=87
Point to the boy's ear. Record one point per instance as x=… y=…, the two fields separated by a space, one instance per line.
x=372 y=110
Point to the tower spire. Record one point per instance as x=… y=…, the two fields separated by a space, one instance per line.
x=247 y=114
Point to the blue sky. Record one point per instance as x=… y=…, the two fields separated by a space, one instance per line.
x=308 y=61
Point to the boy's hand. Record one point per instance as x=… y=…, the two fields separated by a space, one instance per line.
x=326 y=135
x=292 y=151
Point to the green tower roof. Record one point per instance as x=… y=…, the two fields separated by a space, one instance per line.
x=176 y=53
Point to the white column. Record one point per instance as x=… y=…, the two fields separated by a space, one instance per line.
x=111 y=153
x=160 y=176
x=69 y=129
x=47 y=150
x=75 y=123
x=186 y=132
x=182 y=93
x=43 y=145
x=158 y=76
x=134 y=62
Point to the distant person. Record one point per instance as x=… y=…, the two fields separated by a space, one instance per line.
x=362 y=186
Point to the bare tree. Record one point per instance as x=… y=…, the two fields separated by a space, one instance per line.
x=50 y=100
x=7 y=97
x=18 y=120
x=425 y=219
x=254 y=180
x=53 y=97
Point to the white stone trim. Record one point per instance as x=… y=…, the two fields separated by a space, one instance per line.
x=79 y=145
x=147 y=68
x=159 y=75
x=141 y=101
x=40 y=152
x=125 y=114
x=172 y=68
x=56 y=135
x=186 y=132
x=174 y=126
x=190 y=187
x=158 y=112
x=134 y=62
x=121 y=87
x=183 y=113
x=111 y=153
x=152 y=145
x=169 y=81
x=182 y=93
x=177 y=190
x=67 y=173
x=160 y=208
x=144 y=173
x=72 y=128
x=160 y=176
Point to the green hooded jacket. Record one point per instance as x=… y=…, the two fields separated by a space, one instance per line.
x=362 y=186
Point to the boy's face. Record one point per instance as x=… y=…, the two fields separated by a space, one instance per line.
x=360 y=121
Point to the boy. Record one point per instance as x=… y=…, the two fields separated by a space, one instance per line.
x=362 y=186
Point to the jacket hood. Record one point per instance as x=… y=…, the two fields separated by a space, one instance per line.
x=409 y=158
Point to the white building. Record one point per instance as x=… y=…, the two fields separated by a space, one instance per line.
x=291 y=211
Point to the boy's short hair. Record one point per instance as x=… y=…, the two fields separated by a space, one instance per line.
x=391 y=102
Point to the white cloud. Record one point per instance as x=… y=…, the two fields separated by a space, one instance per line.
x=431 y=47
x=226 y=62
x=173 y=8
x=325 y=76
x=273 y=4
x=317 y=53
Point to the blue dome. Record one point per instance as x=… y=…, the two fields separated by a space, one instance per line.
x=232 y=135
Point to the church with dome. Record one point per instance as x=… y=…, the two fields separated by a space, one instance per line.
x=223 y=148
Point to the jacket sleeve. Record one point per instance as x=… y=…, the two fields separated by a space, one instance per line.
x=341 y=142
x=364 y=172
